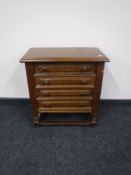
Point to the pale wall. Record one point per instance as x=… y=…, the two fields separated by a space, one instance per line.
x=66 y=23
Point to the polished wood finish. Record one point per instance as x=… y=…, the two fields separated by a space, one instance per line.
x=72 y=80
x=66 y=68
x=64 y=55
x=64 y=93
x=64 y=80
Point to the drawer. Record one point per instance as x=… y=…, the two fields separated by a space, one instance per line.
x=64 y=92
x=47 y=68
x=77 y=80
x=67 y=87
x=66 y=98
x=65 y=109
x=50 y=104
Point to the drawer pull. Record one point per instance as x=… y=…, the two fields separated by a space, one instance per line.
x=45 y=93
x=84 y=68
x=47 y=105
x=43 y=69
x=46 y=82
x=85 y=81
x=82 y=105
x=83 y=93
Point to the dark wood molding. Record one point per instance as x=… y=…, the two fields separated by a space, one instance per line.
x=69 y=54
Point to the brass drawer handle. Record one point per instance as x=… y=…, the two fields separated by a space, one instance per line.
x=83 y=68
x=83 y=93
x=45 y=93
x=82 y=105
x=84 y=81
x=47 y=105
x=86 y=68
x=43 y=69
x=44 y=82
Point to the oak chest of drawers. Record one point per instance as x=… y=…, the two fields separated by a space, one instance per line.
x=64 y=80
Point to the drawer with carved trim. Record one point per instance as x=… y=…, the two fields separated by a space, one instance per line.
x=64 y=106
x=65 y=110
x=79 y=103
x=63 y=92
x=77 y=80
x=65 y=68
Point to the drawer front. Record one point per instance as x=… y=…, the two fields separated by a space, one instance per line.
x=64 y=92
x=67 y=87
x=48 y=104
x=46 y=68
x=65 y=109
x=41 y=81
x=66 y=98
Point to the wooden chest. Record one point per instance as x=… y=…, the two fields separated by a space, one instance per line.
x=64 y=80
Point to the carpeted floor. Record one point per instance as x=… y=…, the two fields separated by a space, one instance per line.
x=62 y=150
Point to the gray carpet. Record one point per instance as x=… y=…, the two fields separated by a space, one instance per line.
x=26 y=150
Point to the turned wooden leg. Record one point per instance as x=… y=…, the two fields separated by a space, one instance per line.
x=36 y=121
x=93 y=119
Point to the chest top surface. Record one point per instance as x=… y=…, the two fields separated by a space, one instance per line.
x=82 y=54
